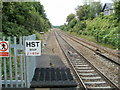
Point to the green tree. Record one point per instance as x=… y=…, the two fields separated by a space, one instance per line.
x=91 y=22
x=82 y=12
x=88 y=11
x=117 y=9
x=22 y=18
x=70 y=17
x=94 y=9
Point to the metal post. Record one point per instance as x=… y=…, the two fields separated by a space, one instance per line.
x=21 y=63
x=10 y=62
x=0 y=73
x=27 y=69
x=5 y=69
x=15 y=62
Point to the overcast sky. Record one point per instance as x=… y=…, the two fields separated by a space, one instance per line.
x=58 y=10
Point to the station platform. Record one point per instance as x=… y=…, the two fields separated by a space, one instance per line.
x=44 y=61
x=53 y=77
x=52 y=73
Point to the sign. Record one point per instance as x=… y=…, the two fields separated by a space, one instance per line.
x=33 y=47
x=4 y=49
x=41 y=32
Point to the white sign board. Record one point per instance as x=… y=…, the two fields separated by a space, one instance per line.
x=4 y=49
x=33 y=47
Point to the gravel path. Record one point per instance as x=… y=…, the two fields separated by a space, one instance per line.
x=52 y=48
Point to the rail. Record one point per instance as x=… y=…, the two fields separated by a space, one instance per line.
x=86 y=64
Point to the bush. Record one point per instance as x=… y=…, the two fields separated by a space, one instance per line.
x=104 y=29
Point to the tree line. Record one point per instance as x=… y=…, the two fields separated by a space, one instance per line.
x=89 y=20
x=23 y=18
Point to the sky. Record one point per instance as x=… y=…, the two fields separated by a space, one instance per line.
x=58 y=10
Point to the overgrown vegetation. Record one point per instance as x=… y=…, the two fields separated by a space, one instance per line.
x=91 y=21
x=23 y=18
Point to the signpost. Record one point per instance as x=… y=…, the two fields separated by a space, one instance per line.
x=33 y=47
x=4 y=49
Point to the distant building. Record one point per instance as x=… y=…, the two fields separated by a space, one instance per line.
x=108 y=9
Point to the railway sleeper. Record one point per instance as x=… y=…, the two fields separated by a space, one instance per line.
x=95 y=82
x=72 y=53
x=93 y=78
x=80 y=68
x=88 y=74
x=86 y=71
x=78 y=62
x=81 y=65
x=77 y=59
x=89 y=83
x=99 y=87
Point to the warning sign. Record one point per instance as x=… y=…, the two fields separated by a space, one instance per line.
x=4 y=49
x=33 y=47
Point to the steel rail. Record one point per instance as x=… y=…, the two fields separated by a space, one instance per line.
x=98 y=53
x=101 y=74
x=81 y=83
x=116 y=55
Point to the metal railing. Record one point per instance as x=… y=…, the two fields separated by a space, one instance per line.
x=17 y=70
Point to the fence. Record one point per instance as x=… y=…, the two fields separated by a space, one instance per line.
x=17 y=69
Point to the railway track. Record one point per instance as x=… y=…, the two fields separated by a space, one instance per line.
x=88 y=76
x=99 y=51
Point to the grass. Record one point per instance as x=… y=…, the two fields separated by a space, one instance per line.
x=13 y=67
x=91 y=38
